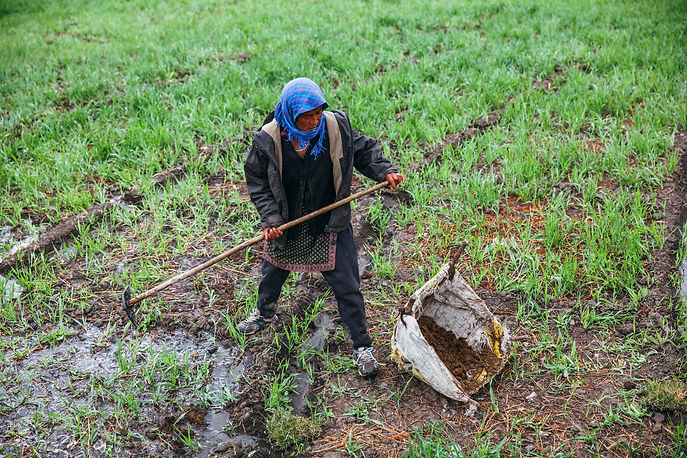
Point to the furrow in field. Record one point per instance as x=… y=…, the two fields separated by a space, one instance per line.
x=662 y=260
x=55 y=235
x=488 y=121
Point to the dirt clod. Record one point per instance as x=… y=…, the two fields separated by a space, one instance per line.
x=463 y=362
x=196 y=415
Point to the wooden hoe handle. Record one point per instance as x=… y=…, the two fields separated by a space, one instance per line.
x=128 y=302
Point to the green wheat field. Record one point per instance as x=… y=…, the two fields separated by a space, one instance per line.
x=548 y=136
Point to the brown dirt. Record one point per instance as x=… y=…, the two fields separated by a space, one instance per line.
x=549 y=83
x=661 y=264
x=458 y=357
x=196 y=415
x=170 y=174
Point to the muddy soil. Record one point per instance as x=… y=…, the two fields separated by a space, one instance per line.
x=54 y=236
x=458 y=357
x=356 y=409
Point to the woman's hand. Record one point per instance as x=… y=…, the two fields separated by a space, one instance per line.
x=394 y=179
x=272 y=233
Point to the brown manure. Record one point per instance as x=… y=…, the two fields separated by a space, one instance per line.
x=459 y=358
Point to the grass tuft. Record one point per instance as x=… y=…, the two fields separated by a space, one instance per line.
x=286 y=429
x=669 y=394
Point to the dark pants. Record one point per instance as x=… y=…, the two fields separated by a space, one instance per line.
x=344 y=281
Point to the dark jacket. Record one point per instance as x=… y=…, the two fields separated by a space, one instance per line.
x=263 y=176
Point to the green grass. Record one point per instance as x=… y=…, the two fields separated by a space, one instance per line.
x=559 y=201
x=433 y=441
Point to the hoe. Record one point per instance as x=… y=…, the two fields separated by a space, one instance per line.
x=127 y=301
x=445 y=335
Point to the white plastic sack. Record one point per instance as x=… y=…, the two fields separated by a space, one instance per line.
x=454 y=306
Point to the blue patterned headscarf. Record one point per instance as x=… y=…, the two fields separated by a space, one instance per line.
x=297 y=97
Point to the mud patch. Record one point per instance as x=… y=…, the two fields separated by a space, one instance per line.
x=21 y=239
x=324 y=324
x=661 y=263
x=222 y=388
x=68 y=365
x=680 y=144
x=463 y=362
x=9 y=289
x=171 y=174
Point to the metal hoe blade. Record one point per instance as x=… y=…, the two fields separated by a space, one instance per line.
x=126 y=297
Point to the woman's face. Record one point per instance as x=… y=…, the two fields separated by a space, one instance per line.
x=309 y=120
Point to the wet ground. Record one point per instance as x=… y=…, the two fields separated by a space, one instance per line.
x=10 y=289
x=60 y=371
x=61 y=383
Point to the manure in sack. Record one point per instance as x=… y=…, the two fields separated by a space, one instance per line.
x=447 y=337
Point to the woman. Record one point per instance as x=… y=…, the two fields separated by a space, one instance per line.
x=301 y=160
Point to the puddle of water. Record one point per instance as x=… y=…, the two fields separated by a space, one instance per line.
x=102 y=363
x=24 y=243
x=78 y=353
x=222 y=387
x=245 y=440
x=5 y=234
x=176 y=341
x=214 y=433
x=63 y=372
x=228 y=371
x=323 y=325
x=9 y=289
x=66 y=252
x=7 y=239
x=247 y=445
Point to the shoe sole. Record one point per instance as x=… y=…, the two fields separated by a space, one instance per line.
x=372 y=374
x=250 y=333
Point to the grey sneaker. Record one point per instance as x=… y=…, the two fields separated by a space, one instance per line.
x=255 y=322
x=366 y=362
